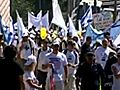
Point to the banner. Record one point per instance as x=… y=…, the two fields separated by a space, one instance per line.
x=102 y=20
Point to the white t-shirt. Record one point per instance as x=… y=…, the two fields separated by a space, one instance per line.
x=41 y=57
x=101 y=55
x=29 y=76
x=71 y=58
x=58 y=61
x=26 y=51
x=116 y=82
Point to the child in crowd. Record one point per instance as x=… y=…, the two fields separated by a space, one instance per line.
x=31 y=83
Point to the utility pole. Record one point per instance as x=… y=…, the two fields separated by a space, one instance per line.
x=95 y=5
x=115 y=10
x=71 y=5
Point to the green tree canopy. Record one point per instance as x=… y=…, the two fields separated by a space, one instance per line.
x=23 y=7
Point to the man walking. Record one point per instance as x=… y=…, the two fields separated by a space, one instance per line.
x=58 y=61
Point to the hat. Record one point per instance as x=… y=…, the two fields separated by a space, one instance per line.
x=30 y=60
x=90 y=53
x=25 y=34
x=55 y=42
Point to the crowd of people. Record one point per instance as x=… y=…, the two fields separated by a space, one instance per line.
x=59 y=62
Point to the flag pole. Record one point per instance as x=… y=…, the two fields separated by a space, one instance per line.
x=50 y=25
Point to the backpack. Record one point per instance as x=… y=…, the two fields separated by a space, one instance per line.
x=40 y=51
x=75 y=53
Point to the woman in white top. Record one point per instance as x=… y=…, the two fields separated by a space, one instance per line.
x=116 y=74
x=31 y=83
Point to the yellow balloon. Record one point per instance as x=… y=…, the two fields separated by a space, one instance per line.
x=79 y=33
x=43 y=33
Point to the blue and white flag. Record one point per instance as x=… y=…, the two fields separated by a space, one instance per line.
x=115 y=30
x=45 y=20
x=21 y=27
x=117 y=41
x=4 y=29
x=57 y=15
x=72 y=27
x=63 y=33
x=11 y=34
x=87 y=18
x=32 y=20
x=95 y=35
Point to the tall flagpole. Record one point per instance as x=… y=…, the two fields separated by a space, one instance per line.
x=115 y=10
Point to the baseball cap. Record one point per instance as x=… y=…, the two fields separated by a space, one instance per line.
x=30 y=60
x=55 y=42
x=90 y=53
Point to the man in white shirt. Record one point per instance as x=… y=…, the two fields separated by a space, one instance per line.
x=26 y=47
x=42 y=73
x=57 y=60
x=102 y=52
x=73 y=62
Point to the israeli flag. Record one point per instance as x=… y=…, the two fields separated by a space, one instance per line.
x=21 y=27
x=117 y=41
x=63 y=33
x=87 y=18
x=95 y=35
x=4 y=29
x=115 y=30
x=11 y=34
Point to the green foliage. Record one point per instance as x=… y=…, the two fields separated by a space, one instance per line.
x=23 y=7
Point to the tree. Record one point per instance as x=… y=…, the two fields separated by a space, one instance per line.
x=23 y=7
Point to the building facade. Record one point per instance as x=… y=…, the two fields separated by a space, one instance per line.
x=5 y=11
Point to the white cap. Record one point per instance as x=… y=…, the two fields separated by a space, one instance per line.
x=30 y=60
x=56 y=42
